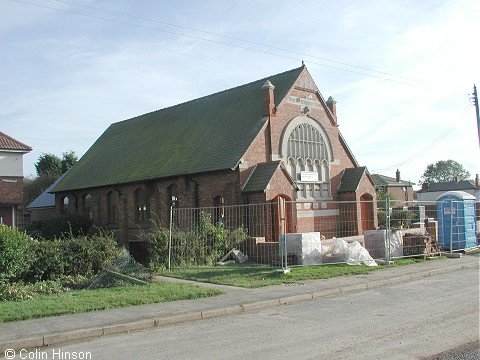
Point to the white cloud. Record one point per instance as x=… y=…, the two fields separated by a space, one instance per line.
x=65 y=78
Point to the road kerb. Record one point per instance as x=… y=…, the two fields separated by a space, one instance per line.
x=295 y=299
x=378 y=283
x=127 y=327
x=53 y=339
x=326 y=292
x=178 y=319
x=260 y=305
x=230 y=310
x=353 y=288
x=400 y=279
x=19 y=344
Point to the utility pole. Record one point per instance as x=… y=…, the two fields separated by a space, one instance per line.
x=475 y=102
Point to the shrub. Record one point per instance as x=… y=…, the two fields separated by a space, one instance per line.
x=402 y=218
x=156 y=242
x=87 y=255
x=72 y=225
x=204 y=243
x=21 y=291
x=48 y=262
x=82 y=256
x=15 y=257
x=399 y=218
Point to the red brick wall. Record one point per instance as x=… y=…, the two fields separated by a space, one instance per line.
x=200 y=190
x=193 y=191
x=280 y=185
x=286 y=112
x=399 y=193
x=11 y=190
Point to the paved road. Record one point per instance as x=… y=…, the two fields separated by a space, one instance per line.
x=407 y=321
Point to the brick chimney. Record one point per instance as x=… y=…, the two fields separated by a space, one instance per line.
x=332 y=105
x=397 y=175
x=477 y=182
x=268 y=98
x=426 y=185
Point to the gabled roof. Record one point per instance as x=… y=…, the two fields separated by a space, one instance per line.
x=382 y=181
x=206 y=134
x=46 y=199
x=10 y=144
x=351 y=178
x=447 y=186
x=261 y=175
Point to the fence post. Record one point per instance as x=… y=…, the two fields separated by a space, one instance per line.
x=451 y=226
x=170 y=233
x=387 y=229
x=283 y=231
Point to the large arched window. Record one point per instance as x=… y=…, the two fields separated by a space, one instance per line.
x=307 y=153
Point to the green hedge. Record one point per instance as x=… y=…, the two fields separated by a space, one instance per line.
x=15 y=254
x=23 y=259
x=66 y=225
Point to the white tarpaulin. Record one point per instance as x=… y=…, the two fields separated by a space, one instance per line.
x=352 y=253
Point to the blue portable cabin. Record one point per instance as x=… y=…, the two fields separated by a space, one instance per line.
x=456 y=220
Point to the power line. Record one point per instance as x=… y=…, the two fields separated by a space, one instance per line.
x=382 y=75
x=424 y=150
x=241 y=40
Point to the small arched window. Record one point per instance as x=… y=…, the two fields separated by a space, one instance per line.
x=140 y=205
x=111 y=200
x=88 y=205
x=65 y=205
x=219 y=209
x=172 y=196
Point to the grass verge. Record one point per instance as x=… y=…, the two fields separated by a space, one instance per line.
x=253 y=277
x=77 y=301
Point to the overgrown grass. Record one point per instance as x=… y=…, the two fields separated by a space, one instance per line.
x=77 y=301
x=253 y=277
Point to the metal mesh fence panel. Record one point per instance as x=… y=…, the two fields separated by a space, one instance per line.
x=268 y=234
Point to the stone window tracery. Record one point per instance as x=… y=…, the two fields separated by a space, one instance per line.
x=307 y=158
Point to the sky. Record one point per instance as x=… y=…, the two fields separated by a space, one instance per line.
x=402 y=71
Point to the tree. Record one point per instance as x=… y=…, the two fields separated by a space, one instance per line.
x=52 y=166
x=49 y=168
x=444 y=171
x=49 y=165
x=382 y=196
x=68 y=160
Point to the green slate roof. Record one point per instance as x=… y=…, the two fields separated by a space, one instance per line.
x=351 y=179
x=206 y=134
x=261 y=176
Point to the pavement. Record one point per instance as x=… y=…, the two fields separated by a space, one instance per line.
x=35 y=333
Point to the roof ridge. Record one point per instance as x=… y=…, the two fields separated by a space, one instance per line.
x=178 y=139
x=20 y=145
x=249 y=176
x=214 y=94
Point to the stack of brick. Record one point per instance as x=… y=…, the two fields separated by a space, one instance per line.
x=415 y=244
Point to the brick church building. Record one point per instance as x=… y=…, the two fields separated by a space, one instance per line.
x=274 y=138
